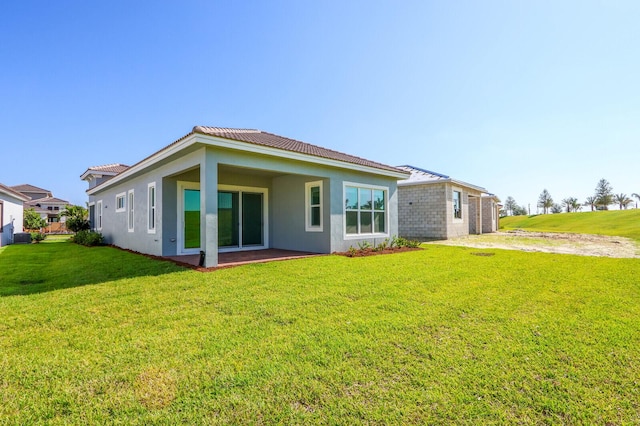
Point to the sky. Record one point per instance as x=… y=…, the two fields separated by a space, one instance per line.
x=514 y=96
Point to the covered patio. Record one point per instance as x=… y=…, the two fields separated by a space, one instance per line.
x=236 y=258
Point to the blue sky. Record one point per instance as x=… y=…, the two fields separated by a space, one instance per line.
x=513 y=96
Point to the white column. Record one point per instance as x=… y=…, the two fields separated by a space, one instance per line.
x=209 y=208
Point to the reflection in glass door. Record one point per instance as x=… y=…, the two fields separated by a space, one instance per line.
x=240 y=219
x=191 y=235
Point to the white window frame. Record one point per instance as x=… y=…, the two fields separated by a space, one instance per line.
x=121 y=196
x=93 y=224
x=131 y=218
x=453 y=210
x=344 y=211
x=99 y=215
x=309 y=227
x=151 y=208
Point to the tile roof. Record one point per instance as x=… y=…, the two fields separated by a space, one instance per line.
x=28 y=188
x=47 y=200
x=12 y=192
x=109 y=168
x=258 y=137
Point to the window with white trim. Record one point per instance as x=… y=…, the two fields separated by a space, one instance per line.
x=121 y=202
x=313 y=206
x=99 y=215
x=365 y=209
x=151 y=208
x=130 y=211
x=457 y=204
x=1 y=216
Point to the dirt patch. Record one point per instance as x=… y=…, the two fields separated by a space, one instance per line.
x=550 y=242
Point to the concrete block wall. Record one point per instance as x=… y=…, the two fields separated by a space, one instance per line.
x=489 y=215
x=422 y=212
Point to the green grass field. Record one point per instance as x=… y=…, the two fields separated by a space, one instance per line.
x=621 y=223
x=437 y=336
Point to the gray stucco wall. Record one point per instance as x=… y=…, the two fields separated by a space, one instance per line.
x=12 y=218
x=284 y=178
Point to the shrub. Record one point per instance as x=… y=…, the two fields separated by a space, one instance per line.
x=36 y=237
x=88 y=238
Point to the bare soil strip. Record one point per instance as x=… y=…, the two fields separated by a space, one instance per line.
x=549 y=242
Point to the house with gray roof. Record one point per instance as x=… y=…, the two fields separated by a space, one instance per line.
x=11 y=213
x=45 y=204
x=221 y=189
x=432 y=205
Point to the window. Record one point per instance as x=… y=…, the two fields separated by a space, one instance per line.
x=1 y=215
x=151 y=207
x=365 y=209
x=313 y=206
x=130 y=212
x=99 y=214
x=120 y=202
x=457 y=205
x=92 y=215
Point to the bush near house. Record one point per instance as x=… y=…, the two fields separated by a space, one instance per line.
x=88 y=238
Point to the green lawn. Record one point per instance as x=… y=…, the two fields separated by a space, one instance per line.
x=621 y=223
x=438 y=336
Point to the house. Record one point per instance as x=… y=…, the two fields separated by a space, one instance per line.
x=44 y=203
x=435 y=206
x=11 y=213
x=220 y=189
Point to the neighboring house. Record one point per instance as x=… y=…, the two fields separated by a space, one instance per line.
x=44 y=203
x=11 y=213
x=435 y=206
x=219 y=189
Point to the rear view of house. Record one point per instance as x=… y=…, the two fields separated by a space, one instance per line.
x=435 y=206
x=11 y=213
x=220 y=189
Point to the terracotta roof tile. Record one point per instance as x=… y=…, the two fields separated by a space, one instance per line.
x=10 y=191
x=258 y=137
x=109 y=168
x=28 y=188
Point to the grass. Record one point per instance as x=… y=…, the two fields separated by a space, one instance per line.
x=441 y=335
x=621 y=223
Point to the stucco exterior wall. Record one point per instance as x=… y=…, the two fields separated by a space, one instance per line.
x=213 y=166
x=12 y=217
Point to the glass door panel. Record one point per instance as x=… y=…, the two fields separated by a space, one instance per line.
x=228 y=219
x=191 y=236
x=252 y=214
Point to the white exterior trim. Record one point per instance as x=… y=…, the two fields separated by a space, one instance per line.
x=182 y=185
x=462 y=215
x=307 y=207
x=99 y=215
x=124 y=202
x=194 y=138
x=131 y=213
x=152 y=209
x=344 y=212
x=265 y=216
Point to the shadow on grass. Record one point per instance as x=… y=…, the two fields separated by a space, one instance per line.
x=58 y=264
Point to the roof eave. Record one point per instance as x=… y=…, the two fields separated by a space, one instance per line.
x=209 y=140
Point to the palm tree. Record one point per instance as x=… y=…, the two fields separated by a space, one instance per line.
x=637 y=196
x=622 y=200
x=77 y=218
x=591 y=201
x=571 y=204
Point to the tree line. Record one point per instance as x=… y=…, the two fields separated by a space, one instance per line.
x=602 y=198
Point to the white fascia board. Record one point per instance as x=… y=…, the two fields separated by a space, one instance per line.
x=307 y=158
x=158 y=156
x=16 y=195
x=239 y=146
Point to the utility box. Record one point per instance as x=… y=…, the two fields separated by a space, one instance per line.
x=22 y=238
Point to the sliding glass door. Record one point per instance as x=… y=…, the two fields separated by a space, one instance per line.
x=241 y=218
